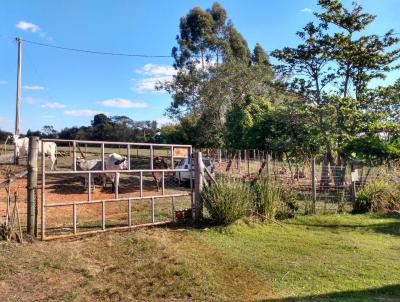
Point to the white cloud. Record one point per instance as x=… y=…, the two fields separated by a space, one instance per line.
x=44 y=35
x=157 y=70
x=27 y=26
x=83 y=112
x=33 y=87
x=3 y=82
x=31 y=100
x=23 y=25
x=122 y=103
x=53 y=105
x=148 y=84
x=306 y=10
x=152 y=73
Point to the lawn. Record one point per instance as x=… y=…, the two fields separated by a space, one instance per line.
x=318 y=258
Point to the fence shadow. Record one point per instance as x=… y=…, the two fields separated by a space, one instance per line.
x=385 y=293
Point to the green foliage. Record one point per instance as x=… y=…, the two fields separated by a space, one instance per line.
x=241 y=119
x=285 y=131
x=377 y=196
x=113 y=128
x=289 y=206
x=259 y=55
x=266 y=197
x=216 y=72
x=227 y=201
x=331 y=71
x=372 y=149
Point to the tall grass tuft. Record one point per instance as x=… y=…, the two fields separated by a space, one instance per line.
x=377 y=196
x=266 y=197
x=227 y=201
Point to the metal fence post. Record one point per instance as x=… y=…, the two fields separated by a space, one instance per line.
x=353 y=192
x=314 y=184
x=198 y=186
x=32 y=185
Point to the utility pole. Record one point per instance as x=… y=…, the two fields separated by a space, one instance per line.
x=18 y=98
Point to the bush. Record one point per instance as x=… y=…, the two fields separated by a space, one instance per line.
x=227 y=201
x=266 y=197
x=289 y=205
x=377 y=196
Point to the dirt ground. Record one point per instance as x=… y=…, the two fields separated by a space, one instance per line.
x=67 y=189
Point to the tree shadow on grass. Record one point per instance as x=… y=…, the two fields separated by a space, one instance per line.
x=386 y=227
x=385 y=293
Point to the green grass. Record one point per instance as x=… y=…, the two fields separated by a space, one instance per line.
x=318 y=255
x=310 y=258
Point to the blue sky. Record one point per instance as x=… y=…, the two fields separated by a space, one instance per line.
x=63 y=88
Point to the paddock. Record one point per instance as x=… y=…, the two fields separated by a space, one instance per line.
x=65 y=207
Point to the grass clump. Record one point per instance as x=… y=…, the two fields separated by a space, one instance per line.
x=266 y=197
x=377 y=196
x=227 y=201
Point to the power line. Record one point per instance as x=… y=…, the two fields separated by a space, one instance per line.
x=121 y=54
x=97 y=52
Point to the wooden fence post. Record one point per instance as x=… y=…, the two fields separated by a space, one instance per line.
x=198 y=186
x=32 y=185
x=314 y=184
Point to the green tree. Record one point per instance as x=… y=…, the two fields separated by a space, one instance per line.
x=241 y=119
x=215 y=72
x=331 y=72
x=49 y=132
x=260 y=56
x=102 y=127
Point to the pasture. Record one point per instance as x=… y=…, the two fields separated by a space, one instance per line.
x=318 y=258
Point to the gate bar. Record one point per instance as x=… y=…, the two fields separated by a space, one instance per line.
x=129 y=157
x=102 y=157
x=113 y=200
x=129 y=212
x=90 y=187
x=43 y=235
x=173 y=208
x=141 y=184
x=152 y=210
x=103 y=215
x=73 y=154
x=112 y=143
x=62 y=172
x=163 y=183
x=74 y=216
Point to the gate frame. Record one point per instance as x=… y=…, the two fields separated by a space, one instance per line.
x=116 y=199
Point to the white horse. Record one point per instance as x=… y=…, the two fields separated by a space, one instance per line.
x=22 y=146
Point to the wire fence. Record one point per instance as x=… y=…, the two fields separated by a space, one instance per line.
x=333 y=184
x=331 y=192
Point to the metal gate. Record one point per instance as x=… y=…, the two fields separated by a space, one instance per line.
x=64 y=199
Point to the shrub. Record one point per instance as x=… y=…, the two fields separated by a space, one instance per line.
x=227 y=201
x=377 y=196
x=289 y=207
x=266 y=197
